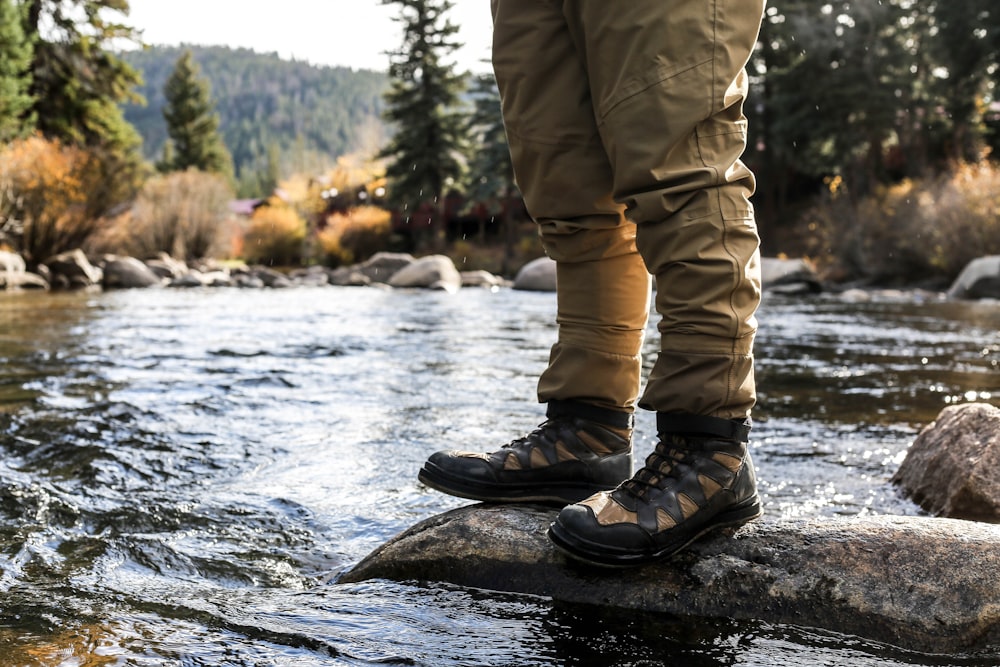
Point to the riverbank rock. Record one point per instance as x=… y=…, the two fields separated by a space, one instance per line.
x=538 y=275
x=14 y=273
x=481 y=278
x=789 y=276
x=349 y=276
x=166 y=266
x=313 y=276
x=430 y=272
x=11 y=262
x=269 y=277
x=382 y=266
x=72 y=270
x=980 y=279
x=920 y=583
x=952 y=469
x=23 y=281
x=127 y=273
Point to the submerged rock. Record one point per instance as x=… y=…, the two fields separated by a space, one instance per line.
x=952 y=469
x=916 y=582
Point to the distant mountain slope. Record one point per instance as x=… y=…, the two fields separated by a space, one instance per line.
x=308 y=115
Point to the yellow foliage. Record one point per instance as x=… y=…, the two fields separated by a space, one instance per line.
x=353 y=171
x=353 y=179
x=354 y=236
x=276 y=235
x=43 y=195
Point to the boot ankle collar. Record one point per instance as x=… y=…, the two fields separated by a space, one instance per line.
x=689 y=424
x=605 y=416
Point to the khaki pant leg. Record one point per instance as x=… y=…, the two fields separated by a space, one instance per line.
x=668 y=82
x=565 y=177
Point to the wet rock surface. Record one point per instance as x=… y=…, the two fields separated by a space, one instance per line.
x=919 y=583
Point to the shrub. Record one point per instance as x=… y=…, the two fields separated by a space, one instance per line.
x=43 y=203
x=913 y=231
x=965 y=206
x=354 y=236
x=182 y=214
x=276 y=236
x=56 y=197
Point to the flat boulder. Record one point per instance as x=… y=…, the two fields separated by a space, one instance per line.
x=920 y=583
x=952 y=469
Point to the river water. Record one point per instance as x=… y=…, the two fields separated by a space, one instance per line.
x=184 y=474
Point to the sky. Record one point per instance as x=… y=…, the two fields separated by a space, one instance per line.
x=349 y=33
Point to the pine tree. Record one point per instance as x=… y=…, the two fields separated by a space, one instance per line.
x=192 y=123
x=424 y=105
x=492 y=181
x=78 y=83
x=16 y=119
x=965 y=44
x=493 y=173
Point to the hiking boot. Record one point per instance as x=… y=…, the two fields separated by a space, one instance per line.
x=699 y=478
x=579 y=450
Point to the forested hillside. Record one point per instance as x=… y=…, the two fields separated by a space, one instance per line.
x=275 y=114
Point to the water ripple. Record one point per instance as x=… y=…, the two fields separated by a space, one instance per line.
x=181 y=473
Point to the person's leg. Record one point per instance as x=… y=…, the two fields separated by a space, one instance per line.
x=592 y=380
x=669 y=83
x=565 y=178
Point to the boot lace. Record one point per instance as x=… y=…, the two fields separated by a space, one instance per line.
x=667 y=461
x=541 y=435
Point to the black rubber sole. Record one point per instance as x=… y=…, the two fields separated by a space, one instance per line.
x=603 y=556
x=541 y=492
